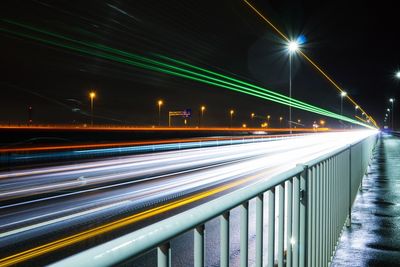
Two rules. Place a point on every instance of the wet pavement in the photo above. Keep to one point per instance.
(374, 236)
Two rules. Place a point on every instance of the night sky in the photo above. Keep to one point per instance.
(356, 43)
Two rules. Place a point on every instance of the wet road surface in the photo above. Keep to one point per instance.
(374, 236)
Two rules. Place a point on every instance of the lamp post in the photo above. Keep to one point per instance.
(159, 103)
(342, 95)
(268, 117)
(252, 115)
(293, 46)
(392, 101)
(231, 112)
(92, 95)
(355, 111)
(280, 122)
(202, 109)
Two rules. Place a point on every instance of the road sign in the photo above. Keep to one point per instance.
(187, 113)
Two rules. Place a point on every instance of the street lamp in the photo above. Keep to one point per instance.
(268, 117)
(92, 95)
(322, 122)
(392, 101)
(355, 110)
(202, 109)
(398, 74)
(342, 95)
(231, 112)
(293, 47)
(280, 122)
(159, 103)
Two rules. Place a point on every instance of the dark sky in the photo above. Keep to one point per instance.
(354, 41)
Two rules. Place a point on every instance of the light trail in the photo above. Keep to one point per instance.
(275, 157)
(155, 65)
(308, 59)
(155, 142)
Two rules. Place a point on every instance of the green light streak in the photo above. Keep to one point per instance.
(154, 65)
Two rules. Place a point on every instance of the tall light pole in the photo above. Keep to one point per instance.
(202, 109)
(280, 122)
(342, 95)
(355, 110)
(231, 112)
(92, 95)
(293, 46)
(159, 103)
(392, 101)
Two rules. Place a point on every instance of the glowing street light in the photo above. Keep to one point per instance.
(342, 95)
(398, 74)
(322, 122)
(231, 112)
(159, 103)
(391, 100)
(293, 47)
(202, 109)
(268, 117)
(355, 110)
(92, 95)
(280, 121)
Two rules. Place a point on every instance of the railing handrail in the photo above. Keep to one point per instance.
(139, 241)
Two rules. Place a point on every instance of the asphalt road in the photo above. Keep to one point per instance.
(49, 213)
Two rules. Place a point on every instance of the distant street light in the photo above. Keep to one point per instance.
(252, 115)
(342, 95)
(280, 122)
(293, 47)
(392, 101)
(398, 74)
(92, 95)
(322, 122)
(355, 110)
(231, 112)
(159, 103)
(202, 109)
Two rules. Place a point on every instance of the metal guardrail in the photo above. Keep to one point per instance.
(314, 198)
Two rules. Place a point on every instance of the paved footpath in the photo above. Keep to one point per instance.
(374, 236)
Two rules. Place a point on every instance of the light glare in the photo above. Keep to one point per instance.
(293, 46)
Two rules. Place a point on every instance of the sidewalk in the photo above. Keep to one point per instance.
(374, 236)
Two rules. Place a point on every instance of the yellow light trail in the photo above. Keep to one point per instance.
(340, 89)
(76, 238)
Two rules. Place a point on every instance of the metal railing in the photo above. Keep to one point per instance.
(315, 199)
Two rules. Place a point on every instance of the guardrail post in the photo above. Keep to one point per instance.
(348, 224)
(199, 246)
(259, 229)
(244, 233)
(302, 236)
(281, 221)
(295, 221)
(164, 255)
(271, 227)
(224, 257)
(289, 202)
